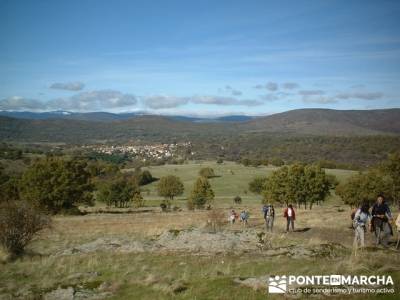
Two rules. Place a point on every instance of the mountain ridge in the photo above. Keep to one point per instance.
(156, 127)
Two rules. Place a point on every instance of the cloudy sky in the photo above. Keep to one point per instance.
(199, 57)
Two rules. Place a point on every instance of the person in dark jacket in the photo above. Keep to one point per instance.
(290, 216)
(381, 216)
(269, 216)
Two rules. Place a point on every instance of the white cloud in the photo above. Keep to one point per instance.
(161, 102)
(360, 95)
(93, 101)
(20, 104)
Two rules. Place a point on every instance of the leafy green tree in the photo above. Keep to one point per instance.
(119, 192)
(55, 184)
(391, 167)
(169, 187)
(202, 193)
(364, 187)
(256, 186)
(207, 172)
(298, 183)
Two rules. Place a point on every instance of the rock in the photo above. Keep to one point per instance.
(60, 294)
(256, 283)
(199, 241)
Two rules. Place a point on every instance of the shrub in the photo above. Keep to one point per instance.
(237, 200)
(19, 223)
(277, 162)
(138, 200)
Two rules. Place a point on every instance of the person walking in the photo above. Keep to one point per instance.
(290, 216)
(361, 220)
(381, 216)
(269, 216)
(232, 217)
(244, 218)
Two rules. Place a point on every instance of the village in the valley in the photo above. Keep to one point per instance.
(154, 151)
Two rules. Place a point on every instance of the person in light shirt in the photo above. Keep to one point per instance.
(290, 216)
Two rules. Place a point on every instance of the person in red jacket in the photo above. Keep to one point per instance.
(290, 216)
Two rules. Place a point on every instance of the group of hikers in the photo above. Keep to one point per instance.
(379, 221)
(269, 217)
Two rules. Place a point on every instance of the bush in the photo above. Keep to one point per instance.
(207, 172)
(138, 200)
(19, 223)
(237, 200)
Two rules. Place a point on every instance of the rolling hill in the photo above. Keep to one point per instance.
(320, 122)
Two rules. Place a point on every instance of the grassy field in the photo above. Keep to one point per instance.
(231, 180)
(111, 268)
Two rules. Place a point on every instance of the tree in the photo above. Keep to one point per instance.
(298, 183)
(364, 187)
(201, 194)
(169, 187)
(391, 167)
(207, 172)
(145, 177)
(118, 192)
(256, 186)
(55, 184)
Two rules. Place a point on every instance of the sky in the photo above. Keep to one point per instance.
(200, 58)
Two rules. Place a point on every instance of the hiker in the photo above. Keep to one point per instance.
(398, 231)
(290, 216)
(244, 217)
(362, 218)
(381, 216)
(269, 215)
(232, 217)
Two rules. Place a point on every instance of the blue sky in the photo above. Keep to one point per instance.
(199, 57)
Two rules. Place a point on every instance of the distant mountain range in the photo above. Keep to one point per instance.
(107, 117)
(100, 126)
